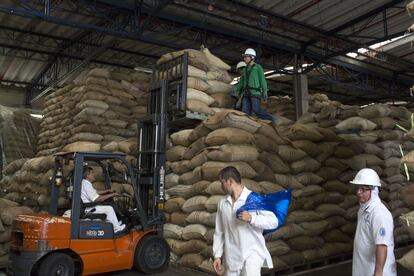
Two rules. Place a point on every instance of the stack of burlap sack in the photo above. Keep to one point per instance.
(281, 106)
(8, 210)
(103, 109)
(320, 222)
(18, 134)
(208, 84)
(373, 140)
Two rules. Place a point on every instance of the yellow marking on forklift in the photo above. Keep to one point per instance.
(160, 205)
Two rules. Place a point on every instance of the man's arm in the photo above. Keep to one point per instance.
(260, 219)
(104, 192)
(218, 242)
(380, 257)
(102, 198)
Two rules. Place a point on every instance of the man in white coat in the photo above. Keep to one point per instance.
(89, 194)
(238, 241)
(374, 238)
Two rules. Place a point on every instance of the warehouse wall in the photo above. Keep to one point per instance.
(15, 97)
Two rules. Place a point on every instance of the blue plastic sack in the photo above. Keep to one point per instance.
(278, 203)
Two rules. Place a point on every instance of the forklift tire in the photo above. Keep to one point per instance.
(152, 255)
(57, 264)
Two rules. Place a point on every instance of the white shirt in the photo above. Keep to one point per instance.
(88, 192)
(375, 226)
(237, 240)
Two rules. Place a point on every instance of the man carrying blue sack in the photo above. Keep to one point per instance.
(242, 217)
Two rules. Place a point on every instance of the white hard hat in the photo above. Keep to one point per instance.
(367, 177)
(240, 65)
(250, 52)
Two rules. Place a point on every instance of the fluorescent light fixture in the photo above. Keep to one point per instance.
(143, 69)
(40, 116)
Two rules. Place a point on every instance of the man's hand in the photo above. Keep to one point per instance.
(217, 266)
(245, 216)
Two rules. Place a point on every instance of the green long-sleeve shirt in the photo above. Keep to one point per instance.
(256, 80)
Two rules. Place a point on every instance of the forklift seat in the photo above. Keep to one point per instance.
(90, 214)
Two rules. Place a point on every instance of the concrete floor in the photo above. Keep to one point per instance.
(338, 269)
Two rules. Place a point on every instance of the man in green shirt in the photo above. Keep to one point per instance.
(252, 86)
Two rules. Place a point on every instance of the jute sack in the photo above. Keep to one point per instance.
(273, 133)
(328, 173)
(171, 180)
(5, 203)
(178, 218)
(287, 231)
(305, 242)
(303, 216)
(219, 75)
(175, 153)
(222, 100)
(307, 164)
(198, 132)
(184, 191)
(307, 191)
(407, 261)
(202, 217)
(287, 181)
(274, 162)
(199, 160)
(211, 169)
(194, 148)
(309, 147)
(197, 95)
(343, 152)
(180, 247)
(199, 106)
(211, 204)
(174, 204)
(356, 123)
(215, 62)
(191, 260)
(8, 214)
(309, 178)
(180, 167)
(269, 187)
(196, 73)
(207, 266)
(333, 197)
(86, 136)
(172, 231)
(229, 135)
(264, 172)
(94, 104)
(232, 118)
(196, 203)
(337, 186)
(408, 160)
(314, 228)
(384, 122)
(218, 87)
(265, 143)
(82, 146)
(289, 154)
(14, 166)
(328, 210)
(303, 132)
(180, 138)
(194, 231)
(336, 235)
(374, 111)
(197, 84)
(192, 177)
(407, 195)
(196, 58)
(229, 153)
(277, 248)
(215, 188)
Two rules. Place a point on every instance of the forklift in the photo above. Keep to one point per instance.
(84, 243)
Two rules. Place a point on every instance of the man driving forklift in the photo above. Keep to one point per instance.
(90, 195)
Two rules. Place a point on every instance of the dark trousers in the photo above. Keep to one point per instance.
(250, 104)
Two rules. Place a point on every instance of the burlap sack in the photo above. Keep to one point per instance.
(277, 248)
(211, 169)
(229, 135)
(307, 164)
(303, 132)
(202, 217)
(196, 203)
(82, 146)
(175, 153)
(180, 247)
(356, 123)
(196, 95)
(234, 119)
(172, 231)
(191, 260)
(229, 153)
(180, 138)
(215, 188)
(305, 242)
(194, 148)
(290, 154)
(174, 204)
(287, 181)
(374, 111)
(266, 144)
(274, 162)
(211, 204)
(309, 178)
(309, 147)
(264, 172)
(194, 232)
(8, 214)
(199, 106)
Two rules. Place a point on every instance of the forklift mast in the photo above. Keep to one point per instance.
(166, 103)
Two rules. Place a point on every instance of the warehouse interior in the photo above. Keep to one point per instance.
(325, 63)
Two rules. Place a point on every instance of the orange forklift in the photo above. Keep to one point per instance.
(85, 243)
